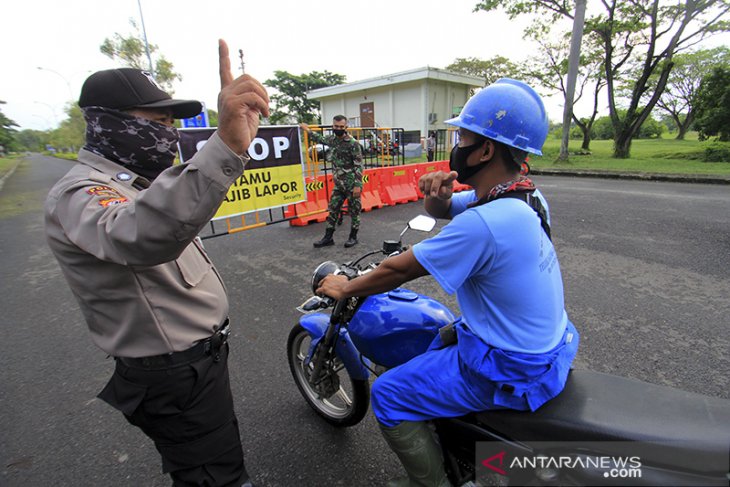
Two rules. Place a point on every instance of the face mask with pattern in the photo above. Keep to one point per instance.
(141, 145)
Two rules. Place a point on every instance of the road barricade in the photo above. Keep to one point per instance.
(370, 197)
(397, 185)
(315, 208)
(458, 187)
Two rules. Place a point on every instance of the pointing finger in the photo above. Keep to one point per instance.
(224, 61)
(451, 177)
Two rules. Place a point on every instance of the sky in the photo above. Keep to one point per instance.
(359, 40)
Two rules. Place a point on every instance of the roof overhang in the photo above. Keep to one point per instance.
(397, 78)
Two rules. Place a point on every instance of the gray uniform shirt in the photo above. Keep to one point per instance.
(144, 284)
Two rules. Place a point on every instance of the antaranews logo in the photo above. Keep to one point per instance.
(552, 466)
(490, 462)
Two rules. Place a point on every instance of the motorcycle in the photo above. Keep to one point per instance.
(601, 430)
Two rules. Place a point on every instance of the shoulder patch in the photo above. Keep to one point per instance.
(108, 196)
(112, 201)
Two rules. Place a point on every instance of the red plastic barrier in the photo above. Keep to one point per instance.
(396, 186)
(315, 208)
(370, 197)
(458, 187)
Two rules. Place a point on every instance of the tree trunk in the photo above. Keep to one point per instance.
(683, 127)
(586, 139)
(622, 146)
(681, 132)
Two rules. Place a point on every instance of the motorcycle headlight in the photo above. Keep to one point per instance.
(324, 269)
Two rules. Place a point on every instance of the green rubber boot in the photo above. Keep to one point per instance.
(419, 453)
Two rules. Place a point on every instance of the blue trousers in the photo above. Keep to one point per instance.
(469, 377)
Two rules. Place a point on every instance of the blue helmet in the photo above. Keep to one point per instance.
(508, 111)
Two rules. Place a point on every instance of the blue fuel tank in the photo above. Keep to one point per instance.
(393, 327)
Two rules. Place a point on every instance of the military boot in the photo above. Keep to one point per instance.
(326, 240)
(353, 238)
(419, 453)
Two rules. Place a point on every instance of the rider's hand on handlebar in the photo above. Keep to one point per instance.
(333, 286)
(438, 184)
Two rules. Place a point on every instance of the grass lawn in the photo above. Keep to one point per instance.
(6, 164)
(660, 156)
(666, 156)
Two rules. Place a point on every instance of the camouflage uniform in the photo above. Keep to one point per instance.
(346, 157)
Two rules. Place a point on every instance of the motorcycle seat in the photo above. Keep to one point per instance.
(687, 429)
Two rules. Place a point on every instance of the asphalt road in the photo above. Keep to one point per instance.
(645, 266)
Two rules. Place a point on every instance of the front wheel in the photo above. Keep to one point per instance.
(340, 400)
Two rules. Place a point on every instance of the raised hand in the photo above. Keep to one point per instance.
(240, 102)
(438, 184)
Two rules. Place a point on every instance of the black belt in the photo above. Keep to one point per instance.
(209, 346)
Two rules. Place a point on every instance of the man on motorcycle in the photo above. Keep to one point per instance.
(514, 343)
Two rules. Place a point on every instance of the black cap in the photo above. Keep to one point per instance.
(126, 88)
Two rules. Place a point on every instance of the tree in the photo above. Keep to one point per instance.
(603, 129)
(70, 134)
(212, 117)
(130, 51)
(639, 39)
(550, 69)
(651, 129)
(679, 97)
(7, 131)
(491, 69)
(713, 105)
(30, 140)
(290, 102)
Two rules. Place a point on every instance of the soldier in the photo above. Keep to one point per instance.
(346, 159)
(123, 225)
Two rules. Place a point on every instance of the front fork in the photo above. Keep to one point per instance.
(326, 336)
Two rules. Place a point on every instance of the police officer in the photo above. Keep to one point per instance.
(346, 159)
(123, 225)
(514, 343)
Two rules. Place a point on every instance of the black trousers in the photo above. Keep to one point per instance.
(187, 410)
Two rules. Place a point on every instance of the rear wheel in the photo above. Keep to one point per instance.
(338, 398)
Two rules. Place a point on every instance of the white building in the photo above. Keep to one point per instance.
(417, 101)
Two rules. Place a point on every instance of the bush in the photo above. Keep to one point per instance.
(717, 153)
(651, 129)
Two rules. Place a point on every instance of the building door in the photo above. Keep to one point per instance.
(367, 114)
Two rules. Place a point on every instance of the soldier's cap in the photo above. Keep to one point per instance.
(127, 88)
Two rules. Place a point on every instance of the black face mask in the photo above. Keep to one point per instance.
(339, 132)
(457, 162)
(143, 146)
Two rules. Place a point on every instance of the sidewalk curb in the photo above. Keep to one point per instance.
(675, 178)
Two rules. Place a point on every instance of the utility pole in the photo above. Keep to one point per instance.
(144, 35)
(243, 65)
(573, 63)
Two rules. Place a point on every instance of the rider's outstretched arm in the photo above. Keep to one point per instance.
(390, 274)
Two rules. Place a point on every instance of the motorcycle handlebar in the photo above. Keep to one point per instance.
(351, 269)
